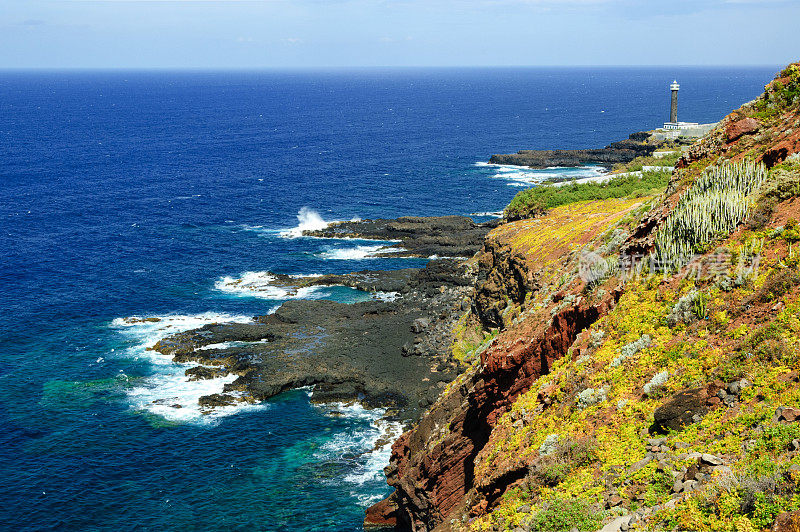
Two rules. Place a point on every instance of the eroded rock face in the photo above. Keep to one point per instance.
(502, 275)
(778, 153)
(432, 466)
(382, 516)
(787, 522)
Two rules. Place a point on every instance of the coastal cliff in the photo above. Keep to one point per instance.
(639, 356)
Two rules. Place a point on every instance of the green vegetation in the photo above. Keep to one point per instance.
(552, 469)
(638, 163)
(787, 93)
(791, 233)
(567, 514)
(780, 94)
(536, 201)
(719, 341)
(708, 210)
(783, 183)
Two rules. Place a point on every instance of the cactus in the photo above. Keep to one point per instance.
(717, 202)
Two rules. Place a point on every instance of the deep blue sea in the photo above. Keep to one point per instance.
(145, 194)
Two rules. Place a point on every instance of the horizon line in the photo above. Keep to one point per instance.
(362, 67)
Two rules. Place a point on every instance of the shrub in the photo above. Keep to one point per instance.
(657, 382)
(791, 232)
(628, 350)
(688, 309)
(778, 283)
(562, 458)
(566, 514)
(590, 396)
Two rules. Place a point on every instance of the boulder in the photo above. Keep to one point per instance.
(680, 410)
(420, 324)
(710, 459)
(790, 414)
(786, 414)
(613, 501)
(741, 127)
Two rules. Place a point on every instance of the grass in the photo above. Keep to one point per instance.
(536, 201)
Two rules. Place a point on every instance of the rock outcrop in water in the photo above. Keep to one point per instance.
(393, 352)
(418, 236)
(624, 151)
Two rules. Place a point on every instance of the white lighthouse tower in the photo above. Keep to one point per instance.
(673, 110)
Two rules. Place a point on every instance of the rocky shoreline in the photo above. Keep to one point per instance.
(391, 352)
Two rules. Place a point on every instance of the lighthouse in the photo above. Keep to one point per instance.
(673, 112)
(674, 129)
(673, 109)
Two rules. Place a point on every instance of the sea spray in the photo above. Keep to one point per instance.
(364, 451)
(522, 176)
(308, 220)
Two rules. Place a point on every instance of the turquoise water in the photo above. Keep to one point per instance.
(135, 194)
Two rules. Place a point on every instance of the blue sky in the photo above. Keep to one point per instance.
(335, 33)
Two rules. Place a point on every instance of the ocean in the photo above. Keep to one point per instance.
(131, 201)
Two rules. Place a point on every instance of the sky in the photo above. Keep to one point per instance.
(255, 34)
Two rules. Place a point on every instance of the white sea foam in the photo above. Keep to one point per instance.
(308, 220)
(262, 285)
(168, 392)
(357, 253)
(360, 448)
(495, 214)
(227, 345)
(522, 176)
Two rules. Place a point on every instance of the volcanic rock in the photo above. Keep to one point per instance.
(745, 126)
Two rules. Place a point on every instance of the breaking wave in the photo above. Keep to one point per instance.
(168, 392)
(262, 285)
(364, 451)
(522, 176)
(308, 220)
(375, 251)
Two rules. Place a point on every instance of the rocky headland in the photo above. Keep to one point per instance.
(637, 145)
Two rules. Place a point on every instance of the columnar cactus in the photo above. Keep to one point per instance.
(718, 202)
